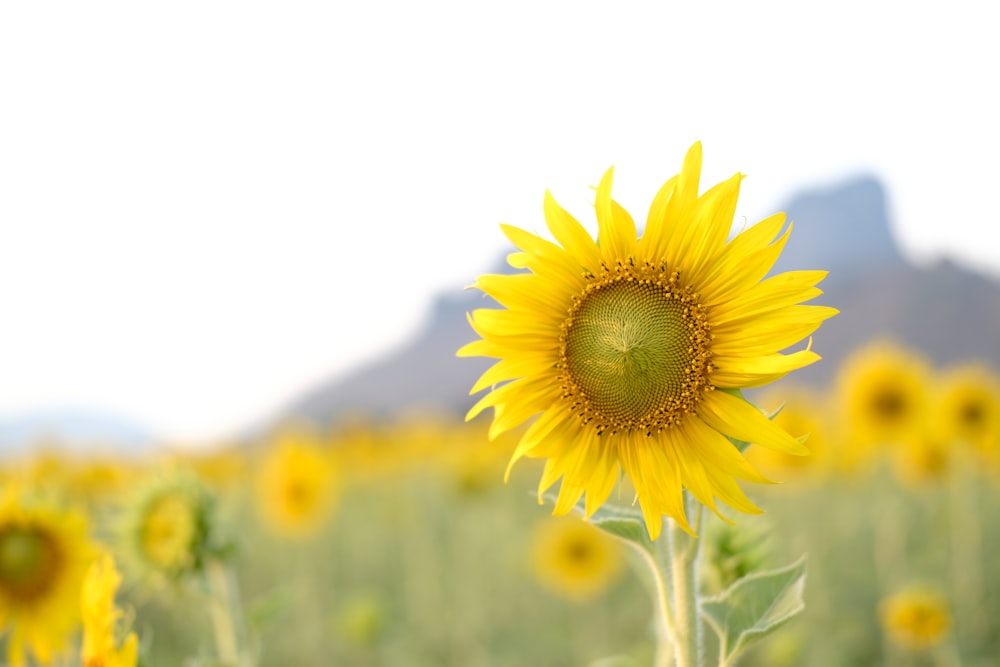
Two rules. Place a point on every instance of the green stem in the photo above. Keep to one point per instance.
(226, 613)
(966, 558)
(661, 599)
(683, 564)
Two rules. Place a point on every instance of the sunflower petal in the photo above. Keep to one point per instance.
(739, 419)
(571, 234)
(616, 230)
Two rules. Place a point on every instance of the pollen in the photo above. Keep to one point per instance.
(635, 349)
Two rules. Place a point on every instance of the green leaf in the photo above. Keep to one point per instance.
(754, 607)
(625, 523)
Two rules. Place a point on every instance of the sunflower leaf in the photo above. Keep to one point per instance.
(626, 529)
(625, 523)
(755, 606)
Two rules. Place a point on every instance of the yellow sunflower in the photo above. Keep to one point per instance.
(916, 618)
(168, 529)
(101, 647)
(44, 555)
(296, 483)
(883, 389)
(575, 559)
(968, 408)
(632, 351)
(923, 460)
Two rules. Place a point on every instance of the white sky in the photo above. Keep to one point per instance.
(209, 207)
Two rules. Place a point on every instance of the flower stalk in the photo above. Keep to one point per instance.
(663, 620)
(684, 549)
(226, 612)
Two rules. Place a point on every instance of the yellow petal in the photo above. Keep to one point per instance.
(716, 450)
(653, 244)
(746, 372)
(704, 237)
(571, 234)
(616, 231)
(736, 418)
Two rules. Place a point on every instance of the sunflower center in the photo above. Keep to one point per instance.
(635, 351)
(579, 551)
(973, 415)
(29, 559)
(890, 404)
(300, 497)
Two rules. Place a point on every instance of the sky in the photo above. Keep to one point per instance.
(208, 208)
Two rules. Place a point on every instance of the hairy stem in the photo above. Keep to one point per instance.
(683, 564)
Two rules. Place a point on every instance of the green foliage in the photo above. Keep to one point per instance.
(754, 607)
(625, 523)
(732, 551)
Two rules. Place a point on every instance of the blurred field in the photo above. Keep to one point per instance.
(369, 544)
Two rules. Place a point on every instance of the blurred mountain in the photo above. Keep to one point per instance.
(72, 430)
(425, 374)
(949, 312)
(842, 229)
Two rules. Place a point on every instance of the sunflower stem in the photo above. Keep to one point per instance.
(684, 549)
(226, 614)
(661, 597)
(966, 558)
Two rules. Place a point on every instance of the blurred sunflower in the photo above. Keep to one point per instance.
(575, 559)
(168, 529)
(632, 351)
(915, 618)
(44, 555)
(922, 460)
(968, 408)
(883, 389)
(99, 481)
(101, 646)
(224, 468)
(295, 483)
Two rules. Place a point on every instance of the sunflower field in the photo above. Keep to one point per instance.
(361, 543)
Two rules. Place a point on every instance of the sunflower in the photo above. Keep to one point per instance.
(632, 351)
(168, 529)
(923, 460)
(916, 618)
(101, 647)
(575, 559)
(295, 483)
(968, 408)
(44, 554)
(883, 389)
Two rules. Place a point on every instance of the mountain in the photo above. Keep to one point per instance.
(841, 229)
(424, 374)
(948, 312)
